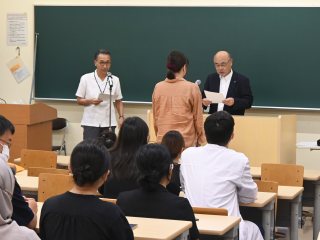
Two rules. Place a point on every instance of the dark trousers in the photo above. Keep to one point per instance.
(94, 132)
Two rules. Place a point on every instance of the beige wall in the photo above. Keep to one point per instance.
(308, 125)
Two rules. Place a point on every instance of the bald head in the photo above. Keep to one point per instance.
(223, 63)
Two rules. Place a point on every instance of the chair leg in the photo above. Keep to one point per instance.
(64, 148)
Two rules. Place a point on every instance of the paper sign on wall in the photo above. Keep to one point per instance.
(17, 32)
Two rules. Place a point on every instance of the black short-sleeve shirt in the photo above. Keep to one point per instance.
(77, 216)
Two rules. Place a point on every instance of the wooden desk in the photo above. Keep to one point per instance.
(310, 175)
(293, 195)
(255, 172)
(265, 201)
(312, 179)
(150, 228)
(289, 192)
(153, 228)
(27, 183)
(62, 161)
(22, 173)
(225, 226)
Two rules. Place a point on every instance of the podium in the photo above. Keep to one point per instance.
(33, 125)
(265, 139)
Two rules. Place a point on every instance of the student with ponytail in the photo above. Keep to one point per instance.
(152, 200)
(177, 103)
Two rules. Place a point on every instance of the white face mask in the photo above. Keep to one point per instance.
(5, 153)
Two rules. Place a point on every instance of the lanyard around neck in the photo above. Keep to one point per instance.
(105, 86)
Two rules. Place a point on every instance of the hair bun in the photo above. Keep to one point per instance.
(84, 174)
(150, 180)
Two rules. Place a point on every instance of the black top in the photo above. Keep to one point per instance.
(77, 216)
(174, 186)
(239, 89)
(158, 204)
(114, 186)
(22, 213)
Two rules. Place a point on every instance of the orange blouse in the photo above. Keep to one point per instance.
(177, 105)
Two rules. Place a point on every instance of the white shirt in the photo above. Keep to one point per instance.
(98, 115)
(224, 86)
(215, 176)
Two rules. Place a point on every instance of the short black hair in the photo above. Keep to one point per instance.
(153, 162)
(174, 141)
(89, 161)
(6, 125)
(101, 51)
(219, 127)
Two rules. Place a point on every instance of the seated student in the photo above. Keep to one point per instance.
(79, 213)
(24, 209)
(174, 141)
(215, 176)
(9, 229)
(133, 134)
(152, 200)
(108, 139)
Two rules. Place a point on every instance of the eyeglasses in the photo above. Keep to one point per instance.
(104, 63)
(6, 142)
(223, 64)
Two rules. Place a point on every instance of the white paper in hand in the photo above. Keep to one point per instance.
(105, 97)
(214, 97)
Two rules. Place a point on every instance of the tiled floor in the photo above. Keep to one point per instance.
(306, 232)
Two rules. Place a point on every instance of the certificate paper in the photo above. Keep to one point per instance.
(214, 97)
(105, 97)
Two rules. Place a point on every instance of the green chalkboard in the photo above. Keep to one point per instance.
(277, 48)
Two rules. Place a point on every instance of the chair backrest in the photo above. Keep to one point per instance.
(267, 186)
(152, 133)
(53, 184)
(38, 158)
(35, 171)
(283, 174)
(111, 200)
(210, 211)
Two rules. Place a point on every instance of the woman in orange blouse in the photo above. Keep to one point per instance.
(177, 103)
